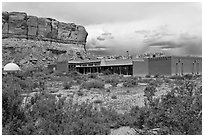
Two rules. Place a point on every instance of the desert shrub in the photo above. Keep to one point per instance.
(188, 76)
(176, 77)
(156, 82)
(149, 93)
(145, 80)
(112, 80)
(58, 73)
(130, 82)
(128, 91)
(148, 76)
(107, 72)
(167, 80)
(92, 75)
(49, 117)
(158, 76)
(114, 97)
(67, 84)
(177, 112)
(92, 84)
(108, 90)
(80, 93)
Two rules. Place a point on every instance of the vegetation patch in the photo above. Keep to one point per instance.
(93, 84)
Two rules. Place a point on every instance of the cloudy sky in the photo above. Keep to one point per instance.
(114, 28)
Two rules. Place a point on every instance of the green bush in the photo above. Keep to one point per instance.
(93, 84)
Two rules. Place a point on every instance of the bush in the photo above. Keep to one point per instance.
(148, 76)
(113, 81)
(67, 84)
(80, 93)
(108, 90)
(149, 92)
(93, 84)
(177, 112)
(92, 75)
(156, 82)
(130, 82)
(188, 76)
(176, 77)
(107, 72)
(158, 76)
(114, 97)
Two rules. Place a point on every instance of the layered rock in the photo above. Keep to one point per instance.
(32, 42)
(34, 53)
(20, 25)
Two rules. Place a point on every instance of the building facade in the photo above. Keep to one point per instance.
(166, 65)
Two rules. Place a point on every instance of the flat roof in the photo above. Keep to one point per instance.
(116, 62)
(83, 61)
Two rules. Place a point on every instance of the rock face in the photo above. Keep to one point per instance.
(20, 25)
(30, 41)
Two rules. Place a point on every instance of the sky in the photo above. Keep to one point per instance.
(116, 27)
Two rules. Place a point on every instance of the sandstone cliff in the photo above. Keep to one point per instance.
(20, 25)
(31, 41)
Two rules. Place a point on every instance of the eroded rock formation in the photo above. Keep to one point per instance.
(31, 41)
(20, 25)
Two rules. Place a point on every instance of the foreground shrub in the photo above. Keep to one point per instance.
(177, 112)
(67, 84)
(114, 97)
(156, 83)
(92, 75)
(130, 82)
(188, 76)
(93, 84)
(107, 72)
(149, 93)
(176, 77)
(113, 81)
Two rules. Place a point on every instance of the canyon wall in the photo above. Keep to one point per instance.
(20, 25)
(31, 41)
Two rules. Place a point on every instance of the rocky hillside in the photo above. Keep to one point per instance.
(33, 41)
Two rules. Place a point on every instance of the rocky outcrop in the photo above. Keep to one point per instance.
(31, 42)
(20, 25)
